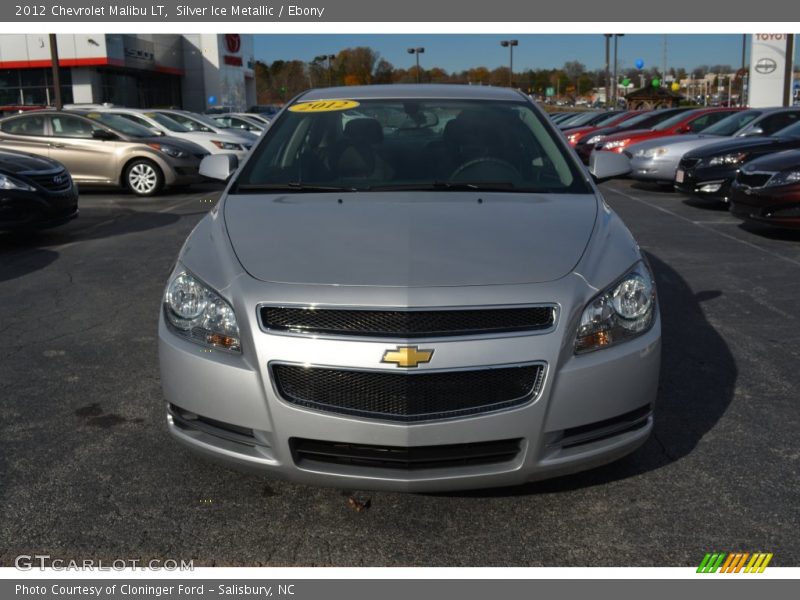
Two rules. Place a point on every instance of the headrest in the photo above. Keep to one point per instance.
(364, 131)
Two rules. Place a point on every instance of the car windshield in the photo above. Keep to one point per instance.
(792, 131)
(608, 118)
(646, 114)
(672, 121)
(383, 145)
(733, 123)
(120, 124)
(166, 122)
(207, 121)
(582, 119)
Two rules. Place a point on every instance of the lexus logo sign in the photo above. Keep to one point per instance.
(234, 42)
(765, 66)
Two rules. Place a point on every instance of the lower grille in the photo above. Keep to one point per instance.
(52, 181)
(189, 420)
(406, 323)
(600, 430)
(753, 180)
(407, 396)
(405, 458)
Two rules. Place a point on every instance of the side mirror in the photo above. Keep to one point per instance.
(157, 132)
(755, 131)
(606, 165)
(685, 129)
(219, 166)
(104, 134)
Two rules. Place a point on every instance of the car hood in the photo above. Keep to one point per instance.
(417, 239)
(780, 161)
(222, 137)
(19, 162)
(738, 144)
(677, 143)
(181, 144)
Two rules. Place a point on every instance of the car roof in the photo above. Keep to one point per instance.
(412, 92)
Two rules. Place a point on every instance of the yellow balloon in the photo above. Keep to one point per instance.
(676, 86)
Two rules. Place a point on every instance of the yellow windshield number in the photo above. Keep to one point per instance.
(323, 106)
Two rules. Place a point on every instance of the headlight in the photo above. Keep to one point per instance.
(595, 139)
(616, 144)
(199, 314)
(169, 150)
(728, 159)
(623, 311)
(226, 145)
(9, 183)
(784, 178)
(651, 152)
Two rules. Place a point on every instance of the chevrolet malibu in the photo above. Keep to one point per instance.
(410, 288)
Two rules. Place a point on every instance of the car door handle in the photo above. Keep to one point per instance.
(57, 145)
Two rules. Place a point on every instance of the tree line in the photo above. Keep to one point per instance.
(281, 80)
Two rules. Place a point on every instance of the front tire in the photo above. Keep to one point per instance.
(143, 177)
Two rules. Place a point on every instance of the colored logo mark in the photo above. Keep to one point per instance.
(734, 562)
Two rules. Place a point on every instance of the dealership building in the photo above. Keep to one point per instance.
(194, 71)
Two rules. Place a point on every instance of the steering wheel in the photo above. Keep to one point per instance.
(498, 170)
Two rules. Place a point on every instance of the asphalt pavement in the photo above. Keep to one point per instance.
(87, 469)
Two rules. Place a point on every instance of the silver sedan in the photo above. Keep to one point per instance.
(656, 161)
(411, 288)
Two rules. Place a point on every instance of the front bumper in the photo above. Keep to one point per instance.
(28, 211)
(777, 206)
(591, 410)
(658, 170)
(705, 183)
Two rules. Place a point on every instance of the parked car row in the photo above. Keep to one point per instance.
(746, 158)
(46, 153)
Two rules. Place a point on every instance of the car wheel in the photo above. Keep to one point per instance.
(143, 178)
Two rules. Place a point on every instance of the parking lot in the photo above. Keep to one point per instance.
(87, 468)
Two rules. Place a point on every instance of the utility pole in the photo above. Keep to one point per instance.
(787, 77)
(56, 73)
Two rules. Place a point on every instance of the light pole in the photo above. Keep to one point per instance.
(56, 72)
(510, 45)
(616, 37)
(329, 58)
(608, 71)
(417, 52)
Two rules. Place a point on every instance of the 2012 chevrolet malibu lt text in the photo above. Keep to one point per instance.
(410, 288)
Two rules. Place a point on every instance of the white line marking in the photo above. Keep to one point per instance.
(702, 225)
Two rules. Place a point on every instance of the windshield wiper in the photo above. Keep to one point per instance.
(466, 186)
(292, 186)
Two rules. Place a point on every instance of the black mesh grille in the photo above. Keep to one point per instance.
(406, 324)
(407, 396)
(688, 163)
(51, 181)
(405, 458)
(753, 179)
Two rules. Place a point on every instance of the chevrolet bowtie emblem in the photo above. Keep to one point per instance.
(407, 356)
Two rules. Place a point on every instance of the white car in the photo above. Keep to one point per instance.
(214, 142)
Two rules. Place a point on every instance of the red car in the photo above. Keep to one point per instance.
(576, 134)
(767, 190)
(691, 121)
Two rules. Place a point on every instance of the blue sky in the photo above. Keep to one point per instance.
(455, 52)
